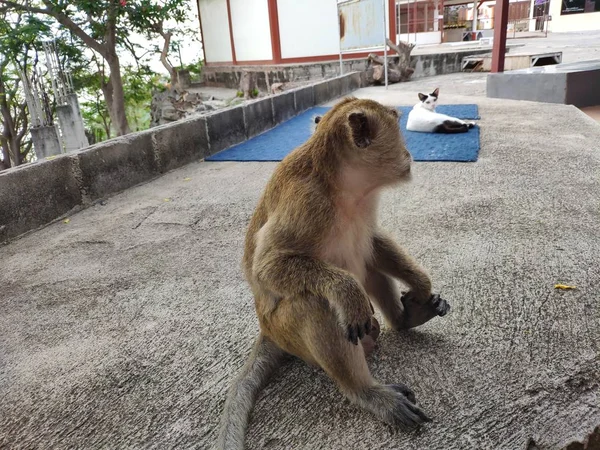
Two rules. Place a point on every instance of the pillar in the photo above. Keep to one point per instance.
(500, 23)
(45, 141)
(71, 124)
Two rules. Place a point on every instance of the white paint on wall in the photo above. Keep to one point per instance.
(572, 22)
(430, 37)
(308, 28)
(215, 26)
(251, 30)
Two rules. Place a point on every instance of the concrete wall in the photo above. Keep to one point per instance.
(425, 66)
(215, 28)
(308, 28)
(589, 21)
(251, 30)
(35, 194)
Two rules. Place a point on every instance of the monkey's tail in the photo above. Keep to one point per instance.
(265, 358)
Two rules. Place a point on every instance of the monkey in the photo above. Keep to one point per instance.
(316, 262)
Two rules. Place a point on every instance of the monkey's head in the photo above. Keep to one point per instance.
(368, 137)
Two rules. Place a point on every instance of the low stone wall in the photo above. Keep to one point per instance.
(425, 66)
(36, 194)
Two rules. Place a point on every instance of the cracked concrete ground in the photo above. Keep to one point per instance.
(123, 328)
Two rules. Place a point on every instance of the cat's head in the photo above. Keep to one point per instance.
(429, 101)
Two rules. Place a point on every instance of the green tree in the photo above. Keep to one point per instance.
(21, 50)
(18, 52)
(103, 26)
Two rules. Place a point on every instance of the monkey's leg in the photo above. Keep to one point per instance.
(305, 327)
(346, 365)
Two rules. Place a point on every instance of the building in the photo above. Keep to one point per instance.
(268, 32)
(573, 15)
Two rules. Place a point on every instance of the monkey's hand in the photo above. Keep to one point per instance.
(417, 312)
(356, 317)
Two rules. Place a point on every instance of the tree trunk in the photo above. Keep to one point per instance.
(5, 163)
(403, 49)
(165, 62)
(9, 132)
(115, 97)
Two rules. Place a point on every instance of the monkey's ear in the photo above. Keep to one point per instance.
(361, 132)
(436, 93)
(318, 119)
(422, 97)
(394, 112)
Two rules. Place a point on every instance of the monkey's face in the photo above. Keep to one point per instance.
(379, 145)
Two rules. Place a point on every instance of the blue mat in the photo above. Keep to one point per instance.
(275, 144)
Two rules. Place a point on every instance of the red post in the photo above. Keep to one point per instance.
(500, 24)
(275, 38)
(231, 40)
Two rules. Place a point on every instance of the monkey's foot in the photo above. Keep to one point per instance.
(405, 390)
(417, 313)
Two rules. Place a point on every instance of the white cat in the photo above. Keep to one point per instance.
(423, 117)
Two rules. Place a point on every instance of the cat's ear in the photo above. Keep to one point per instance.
(436, 93)
(422, 97)
(361, 131)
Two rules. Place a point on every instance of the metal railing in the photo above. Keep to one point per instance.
(528, 26)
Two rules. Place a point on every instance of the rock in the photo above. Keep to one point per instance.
(170, 113)
(276, 88)
(214, 104)
(191, 97)
(248, 83)
(206, 97)
(201, 107)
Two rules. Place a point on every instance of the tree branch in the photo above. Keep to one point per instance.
(75, 29)
(63, 19)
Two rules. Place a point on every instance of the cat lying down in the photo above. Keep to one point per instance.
(423, 117)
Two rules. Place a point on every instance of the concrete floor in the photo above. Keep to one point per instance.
(124, 327)
(575, 46)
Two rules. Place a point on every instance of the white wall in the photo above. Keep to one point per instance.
(251, 29)
(430, 37)
(308, 28)
(215, 27)
(572, 22)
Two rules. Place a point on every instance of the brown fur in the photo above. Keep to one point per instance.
(315, 258)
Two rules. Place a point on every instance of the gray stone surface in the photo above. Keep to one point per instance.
(326, 90)
(117, 164)
(34, 195)
(225, 128)
(258, 116)
(549, 88)
(571, 83)
(180, 143)
(304, 98)
(125, 327)
(283, 106)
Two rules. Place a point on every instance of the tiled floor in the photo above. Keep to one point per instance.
(593, 112)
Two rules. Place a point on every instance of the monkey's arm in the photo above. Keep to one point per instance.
(391, 259)
(289, 274)
(419, 304)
